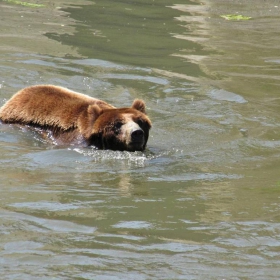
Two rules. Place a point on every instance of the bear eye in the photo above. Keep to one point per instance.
(140, 122)
(118, 125)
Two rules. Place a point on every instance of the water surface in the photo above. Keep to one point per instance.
(202, 202)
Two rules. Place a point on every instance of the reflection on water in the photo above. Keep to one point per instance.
(202, 202)
(134, 34)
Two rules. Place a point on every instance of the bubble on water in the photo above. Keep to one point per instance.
(244, 132)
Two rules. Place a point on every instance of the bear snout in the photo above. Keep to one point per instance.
(137, 140)
(137, 135)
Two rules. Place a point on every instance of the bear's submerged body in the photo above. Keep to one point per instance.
(75, 118)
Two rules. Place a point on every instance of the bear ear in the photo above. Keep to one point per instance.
(94, 111)
(139, 105)
(87, 119)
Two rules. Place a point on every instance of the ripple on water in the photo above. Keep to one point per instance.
(136, 158)
(224, 95)
(133, 225)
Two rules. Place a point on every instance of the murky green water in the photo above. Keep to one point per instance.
(203, 201)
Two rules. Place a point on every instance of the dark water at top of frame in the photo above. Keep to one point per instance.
(202, 202)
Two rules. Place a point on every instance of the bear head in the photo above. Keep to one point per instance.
(123, 129)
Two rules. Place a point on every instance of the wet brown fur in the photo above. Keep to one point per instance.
(73, 117)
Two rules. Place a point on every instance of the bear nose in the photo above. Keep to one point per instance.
(137, 135)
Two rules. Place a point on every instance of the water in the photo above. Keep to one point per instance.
(202, 202)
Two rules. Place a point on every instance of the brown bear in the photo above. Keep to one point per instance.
(74, 118)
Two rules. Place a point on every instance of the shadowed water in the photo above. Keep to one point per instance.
(202, 202)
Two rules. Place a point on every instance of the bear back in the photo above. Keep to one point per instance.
(48, 106)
